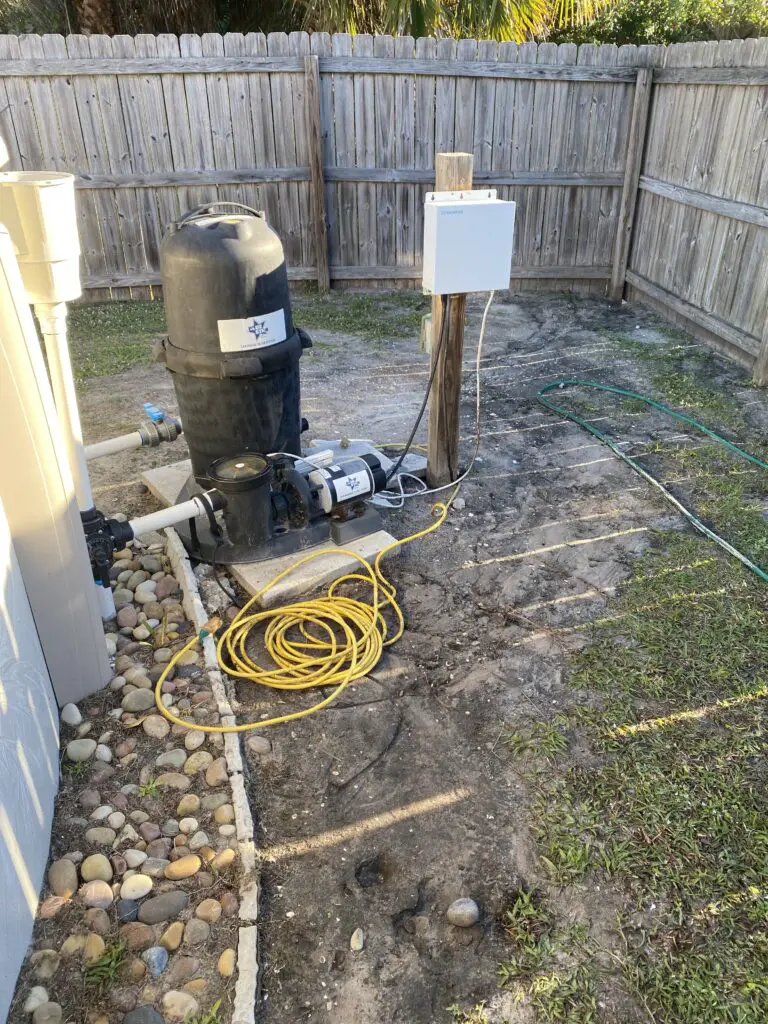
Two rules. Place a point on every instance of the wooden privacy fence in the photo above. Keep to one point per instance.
(629, 164)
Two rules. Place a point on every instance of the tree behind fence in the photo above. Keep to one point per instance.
(154, 125)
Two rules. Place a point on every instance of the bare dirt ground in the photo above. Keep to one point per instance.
(404, 788)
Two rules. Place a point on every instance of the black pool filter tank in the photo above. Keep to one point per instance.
(231, 347)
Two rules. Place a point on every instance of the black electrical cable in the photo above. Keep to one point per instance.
(440, 343)
(229, 594)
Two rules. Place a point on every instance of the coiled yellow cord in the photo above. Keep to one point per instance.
(320, 658)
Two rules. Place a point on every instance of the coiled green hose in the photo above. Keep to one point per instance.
(624, 393)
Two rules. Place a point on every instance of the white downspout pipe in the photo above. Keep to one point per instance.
(52, 317)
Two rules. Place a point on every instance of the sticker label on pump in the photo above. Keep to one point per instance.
(252, 332)
(352, 485)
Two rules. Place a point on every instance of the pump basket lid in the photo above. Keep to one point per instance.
(235, 473)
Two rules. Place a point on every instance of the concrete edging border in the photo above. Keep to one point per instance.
(243, 1011)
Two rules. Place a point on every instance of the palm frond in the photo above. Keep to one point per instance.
(578, 12)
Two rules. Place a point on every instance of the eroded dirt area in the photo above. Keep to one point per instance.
(380, 811)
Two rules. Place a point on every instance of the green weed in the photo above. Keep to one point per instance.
(527, 925)
(475, 1015)
(211, 1016)
(103, 971)
(148, 788)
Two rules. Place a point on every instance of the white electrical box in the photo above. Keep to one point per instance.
(468, 240)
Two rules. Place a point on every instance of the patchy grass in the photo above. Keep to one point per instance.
(566, 995)
(680, 375)
(682, 390)
(528, 925)
(538, 738)
(111, 337)
(676, 348)
(551, 968)
(672, 810)
(371, 315)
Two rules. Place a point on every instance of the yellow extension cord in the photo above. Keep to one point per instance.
(319, 659)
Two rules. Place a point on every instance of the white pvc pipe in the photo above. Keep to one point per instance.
(113, 445)
(53, 324)
(168, 516)
(106, 601)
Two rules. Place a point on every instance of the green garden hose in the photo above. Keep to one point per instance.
(692, 519)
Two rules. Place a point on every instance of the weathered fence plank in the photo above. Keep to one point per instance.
(259, 113)
(371, 274)
(338, 111)
(702, 201)
(101, 245)
(424, 138)
(114, 157)
(282, 85)
(405, 154)
(243, 143)
(365, 145)
(189, 65)
(298, 42)
(637, 134)
(384, 93)
(319, 227)
(155, 125)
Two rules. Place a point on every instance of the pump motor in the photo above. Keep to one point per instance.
(279, 505)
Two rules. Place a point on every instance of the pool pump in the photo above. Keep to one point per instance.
(233, 352)
(280, 505)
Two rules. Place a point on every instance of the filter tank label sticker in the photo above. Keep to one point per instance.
(253, 332)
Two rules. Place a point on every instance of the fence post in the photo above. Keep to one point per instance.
(453, 172)
(319, 225)
(760, 372)
(635, 147)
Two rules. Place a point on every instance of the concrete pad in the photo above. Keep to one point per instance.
(321, 571)
(165, 482)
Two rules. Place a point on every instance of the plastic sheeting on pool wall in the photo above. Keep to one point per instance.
(29, 767)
